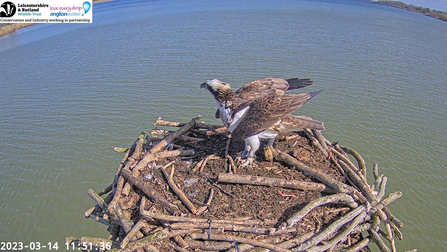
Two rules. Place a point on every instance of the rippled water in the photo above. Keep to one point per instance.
(69, 93)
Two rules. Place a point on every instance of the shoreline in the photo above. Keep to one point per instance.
(8, 28)
(440, 15)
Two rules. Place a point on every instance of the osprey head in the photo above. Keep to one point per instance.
(215, 86)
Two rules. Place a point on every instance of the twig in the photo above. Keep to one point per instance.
(177, 190)
(232, 165)
(202, 163)
(208, 203)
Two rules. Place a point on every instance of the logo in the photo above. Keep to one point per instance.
(7, 9)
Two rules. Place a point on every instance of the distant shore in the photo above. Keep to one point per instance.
(7, 28)
(441, 15)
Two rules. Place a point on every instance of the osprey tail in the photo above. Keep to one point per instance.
(295, 83)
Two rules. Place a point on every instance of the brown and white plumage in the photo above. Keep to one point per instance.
(260, 109)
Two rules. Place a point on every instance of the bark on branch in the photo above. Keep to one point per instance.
(273, 182)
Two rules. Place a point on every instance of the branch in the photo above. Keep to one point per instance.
(167, 140)
(177, 190)
(358, 157)
(232, 238)
(336, 185)
(332, 228)
(341, 197)
(273, 182)
(149, 191)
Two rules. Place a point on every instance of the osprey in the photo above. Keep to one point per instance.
(260, 109)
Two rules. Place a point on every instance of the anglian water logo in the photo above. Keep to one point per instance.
(86, 5)
(7, 9)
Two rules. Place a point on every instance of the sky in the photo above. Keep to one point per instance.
(432, 4)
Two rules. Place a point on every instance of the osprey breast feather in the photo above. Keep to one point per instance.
(260, 109)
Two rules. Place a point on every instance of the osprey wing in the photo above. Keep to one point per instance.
(270, 86)
(264, 112)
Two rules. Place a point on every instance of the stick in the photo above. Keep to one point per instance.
(273, 182)
(149, 191)
(231, 227)
(106, 190)
(315, 141)
(358, 157)
(170, 218)
(99, 219)
(148, 157)
(97, 199)
(378, 241)
(167, 140)
(231, 238)
(177, 190)
(125, 222)
(347, 161)
(130, 235)
(117, 195)
(158, 236)
(332, 228)
(336, 198)
(341, 236)
(358, 181)
(208, 245)
(321, 139)
(161, 122)
(208, 203)
(359, 245)
(388, 200)
(336, 185)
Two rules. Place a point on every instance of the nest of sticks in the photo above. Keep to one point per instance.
(182, 191)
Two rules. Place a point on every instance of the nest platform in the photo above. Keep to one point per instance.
(182, 190)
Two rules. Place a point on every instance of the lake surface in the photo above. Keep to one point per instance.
(69, 93)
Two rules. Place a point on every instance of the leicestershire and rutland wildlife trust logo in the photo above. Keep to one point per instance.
(7, 9)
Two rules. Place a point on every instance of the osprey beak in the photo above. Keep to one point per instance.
(204, 85)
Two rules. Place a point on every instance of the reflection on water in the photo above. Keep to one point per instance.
(69, 93)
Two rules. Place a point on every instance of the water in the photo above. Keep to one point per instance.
(69, 93)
